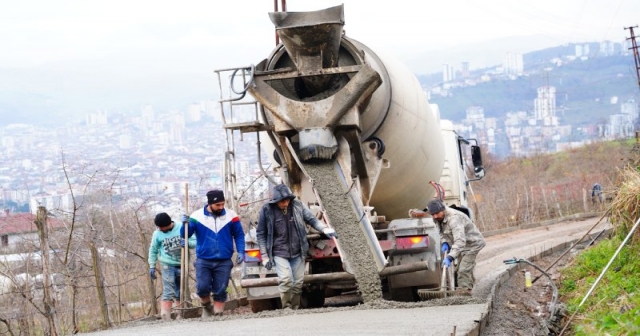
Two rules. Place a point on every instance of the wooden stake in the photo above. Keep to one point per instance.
(184, 268)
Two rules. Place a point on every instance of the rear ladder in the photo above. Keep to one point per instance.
(231, 100)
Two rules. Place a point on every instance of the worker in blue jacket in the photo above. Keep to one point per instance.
(216, 229)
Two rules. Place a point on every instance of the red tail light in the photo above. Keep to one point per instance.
(253, 253)
(403, 243)
(252, 256)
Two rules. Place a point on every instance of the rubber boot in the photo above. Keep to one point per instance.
(207, 309)
(218, 308)
(285, 298)
(165, 309)
(177, 315)
(295, 301)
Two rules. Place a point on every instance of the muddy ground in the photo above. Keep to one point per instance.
(518, 310)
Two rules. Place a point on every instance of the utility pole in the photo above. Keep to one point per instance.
(634, 47)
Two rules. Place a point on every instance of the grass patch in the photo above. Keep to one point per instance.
(614, 306)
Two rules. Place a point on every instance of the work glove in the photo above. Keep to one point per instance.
(239, 258)
(447, 261)
(152, 273)
(329, 232)
(445, 247)
(185, 218)
(267, 263)
(182, 243)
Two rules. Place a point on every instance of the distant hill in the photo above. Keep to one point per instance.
(536, 58)
(480, 55)
(584, 89)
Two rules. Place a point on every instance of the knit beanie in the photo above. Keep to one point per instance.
(435, 206)
(215, 196)
(162, 220)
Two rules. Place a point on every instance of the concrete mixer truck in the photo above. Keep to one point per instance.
(326, 100)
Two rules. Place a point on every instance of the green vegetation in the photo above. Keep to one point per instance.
(614, 306)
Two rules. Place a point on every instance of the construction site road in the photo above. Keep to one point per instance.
(436, 320)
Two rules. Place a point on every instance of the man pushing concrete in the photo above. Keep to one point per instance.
(460, 237)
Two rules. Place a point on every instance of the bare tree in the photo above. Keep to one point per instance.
(49, 304)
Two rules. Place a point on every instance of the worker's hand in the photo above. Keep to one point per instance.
(447, 261)
(182, 243)
(445, 247)
(185, 218)
(267, 263)
(239, 258)
(416, 213)
(329, 232)
(152, 273)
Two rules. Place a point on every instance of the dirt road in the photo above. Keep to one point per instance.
(412, 320)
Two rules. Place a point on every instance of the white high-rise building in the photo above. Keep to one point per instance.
(98, 118)
(607, 48)
(448, 74)
(147, 114)
(146, 119)
(176, 127)
(630, 108)
(194, 113)
(475, 117)
(513, 64)
(544, 107)
(465, 70)
(8, 142)
(620, 126)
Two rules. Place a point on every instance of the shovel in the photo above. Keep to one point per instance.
(447, 285)
(186, 309)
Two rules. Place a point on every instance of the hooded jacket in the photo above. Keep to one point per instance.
(301, 215)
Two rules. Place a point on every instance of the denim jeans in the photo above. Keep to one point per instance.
(212, 276)
(170, 283)
(290, 274)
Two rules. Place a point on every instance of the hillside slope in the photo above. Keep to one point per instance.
(584, 91)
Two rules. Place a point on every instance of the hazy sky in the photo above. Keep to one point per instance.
(59, 53)
(37, 32)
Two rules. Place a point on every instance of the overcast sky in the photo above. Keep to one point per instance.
(65, 49)
(37, 32)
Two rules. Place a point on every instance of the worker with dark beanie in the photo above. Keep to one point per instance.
(216, 229)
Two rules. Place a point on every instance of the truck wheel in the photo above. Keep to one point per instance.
(260, 305)
(313, 299)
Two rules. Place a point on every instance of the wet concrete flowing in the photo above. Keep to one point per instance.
(347, 224)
